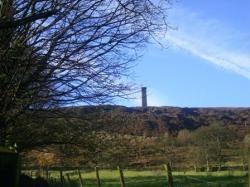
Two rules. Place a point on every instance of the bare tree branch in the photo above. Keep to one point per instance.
(61, 52)
(26, 20)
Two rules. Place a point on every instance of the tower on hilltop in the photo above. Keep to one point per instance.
(144, 97)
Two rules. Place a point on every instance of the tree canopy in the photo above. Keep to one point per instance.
(59, 52)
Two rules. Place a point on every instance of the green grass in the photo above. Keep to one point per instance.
(133, 178)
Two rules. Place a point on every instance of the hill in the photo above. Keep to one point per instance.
(154, 121)
(136, 137)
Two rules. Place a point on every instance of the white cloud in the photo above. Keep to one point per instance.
(211, 40)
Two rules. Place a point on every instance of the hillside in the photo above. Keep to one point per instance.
(135, 137)
(157, 120)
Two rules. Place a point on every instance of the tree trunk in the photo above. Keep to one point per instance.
(243, 165)
(220, 164)
(195, 168)
(219, 167)
(6, 13)
(207, 166)
(3, 133)
(207, 162)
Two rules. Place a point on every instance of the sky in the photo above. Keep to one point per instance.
(207, 61)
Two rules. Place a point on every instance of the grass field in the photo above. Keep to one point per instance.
(110, 178)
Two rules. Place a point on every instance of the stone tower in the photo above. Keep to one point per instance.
(144, 97)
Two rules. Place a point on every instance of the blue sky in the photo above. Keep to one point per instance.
(207, 62)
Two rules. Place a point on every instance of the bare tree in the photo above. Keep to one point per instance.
(211, 141)
(59, 52)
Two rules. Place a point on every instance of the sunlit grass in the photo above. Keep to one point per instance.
(214, 174)
(152, 178)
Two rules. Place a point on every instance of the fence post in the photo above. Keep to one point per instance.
(169, 175)
(61, 177)
(47, 173)
(248, 169)
(97, 176)
(121, 176)
(68, 178)
(31, 173)
(80, 177)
